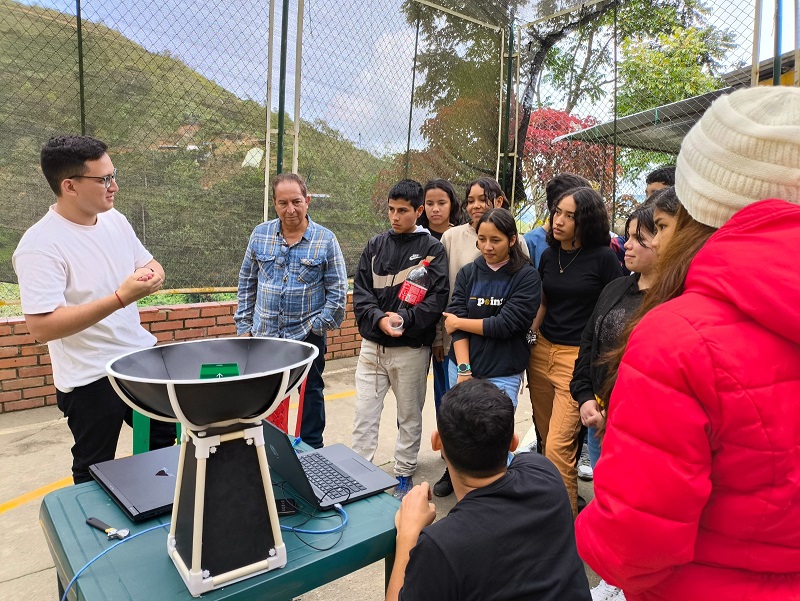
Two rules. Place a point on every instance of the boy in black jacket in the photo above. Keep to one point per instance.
(396, 356)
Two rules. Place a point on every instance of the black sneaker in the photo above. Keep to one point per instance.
(444, 486)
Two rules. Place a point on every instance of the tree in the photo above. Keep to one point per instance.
(544, 159)
(566, 60)
(462, 145)
(459, 68)
(673, 66)
(456, 56)
(572, 55)
(581, 66)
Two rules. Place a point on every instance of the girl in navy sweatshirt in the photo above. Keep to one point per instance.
(495, 299)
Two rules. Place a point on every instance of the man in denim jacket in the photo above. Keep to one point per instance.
(293, 284)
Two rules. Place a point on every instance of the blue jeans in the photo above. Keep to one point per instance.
(441, 380)
(508, 384)
(595, 446)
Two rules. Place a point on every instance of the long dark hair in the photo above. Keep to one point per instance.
(665, 200)
(560, 184)
(644, 222)
(457, 215)
(503, 220)
(672, 267)
(491, 190)
(591, 219)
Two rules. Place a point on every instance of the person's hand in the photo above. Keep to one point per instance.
(138, 285)
(591, 416)
(416, 511)
(450, 322)
(438, 353)
(144, 274)
(383, 324)
(463, 378)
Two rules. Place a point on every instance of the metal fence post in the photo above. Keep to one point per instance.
(80, 66)
(411, 101)
(282, 86)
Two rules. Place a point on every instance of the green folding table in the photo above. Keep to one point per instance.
(141, 570)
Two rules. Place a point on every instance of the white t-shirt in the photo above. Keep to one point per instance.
(60, 263)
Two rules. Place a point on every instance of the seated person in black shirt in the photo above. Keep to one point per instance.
(509, 537)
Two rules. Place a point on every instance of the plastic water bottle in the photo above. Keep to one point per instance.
(414, 289)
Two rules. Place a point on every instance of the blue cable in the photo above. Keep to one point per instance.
(336, 507)
(98, 556)
(341, 526)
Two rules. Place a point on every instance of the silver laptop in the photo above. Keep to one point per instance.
(324, 477)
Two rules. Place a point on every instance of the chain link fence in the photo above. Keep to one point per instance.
(178, 91)
(390, 89)
(130, 74)
(655, 65)
(381, 90)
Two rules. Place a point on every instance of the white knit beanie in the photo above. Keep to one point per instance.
(745, 148)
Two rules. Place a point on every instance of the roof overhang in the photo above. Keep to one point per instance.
(659, 129)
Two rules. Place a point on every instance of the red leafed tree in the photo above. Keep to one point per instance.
(462, 145)
(542, 158)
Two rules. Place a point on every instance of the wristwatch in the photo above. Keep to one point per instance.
(464, 368)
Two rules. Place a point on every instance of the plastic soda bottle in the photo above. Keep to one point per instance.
(415, 287)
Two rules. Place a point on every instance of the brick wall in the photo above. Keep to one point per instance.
(26, 378)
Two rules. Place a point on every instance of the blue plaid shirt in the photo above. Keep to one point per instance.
(288, 291)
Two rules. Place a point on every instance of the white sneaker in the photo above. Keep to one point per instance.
(585, 471)
(605, 592)
(528, 443)
(528, 448)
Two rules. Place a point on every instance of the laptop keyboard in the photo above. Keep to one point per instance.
(324, 475)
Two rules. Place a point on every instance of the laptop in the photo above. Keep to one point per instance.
(324, 477)
(143, 485)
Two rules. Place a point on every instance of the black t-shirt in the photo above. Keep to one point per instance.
(572, 289)
(509, 541)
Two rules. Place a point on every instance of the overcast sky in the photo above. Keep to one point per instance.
(357, 55)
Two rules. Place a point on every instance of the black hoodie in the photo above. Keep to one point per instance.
(507, 303)
(383, 267)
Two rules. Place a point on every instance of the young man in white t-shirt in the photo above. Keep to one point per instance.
(81, 270)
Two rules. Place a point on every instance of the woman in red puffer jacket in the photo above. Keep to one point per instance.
(708, 389)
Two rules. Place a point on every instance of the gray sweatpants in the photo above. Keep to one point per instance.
(405, 370)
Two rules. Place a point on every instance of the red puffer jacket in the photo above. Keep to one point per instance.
(697, 492)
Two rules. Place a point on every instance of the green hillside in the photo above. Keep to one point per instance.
(177, 138)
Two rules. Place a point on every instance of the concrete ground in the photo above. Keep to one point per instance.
(35, 459)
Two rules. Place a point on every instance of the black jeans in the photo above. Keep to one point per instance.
(94, 415)
(313, 422)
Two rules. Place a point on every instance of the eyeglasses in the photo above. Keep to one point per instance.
(106, 179)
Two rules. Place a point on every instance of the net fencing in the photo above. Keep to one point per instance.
(389, 89)
(655, 66)
(178, 91)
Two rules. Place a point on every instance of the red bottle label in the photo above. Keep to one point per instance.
(412, 293)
